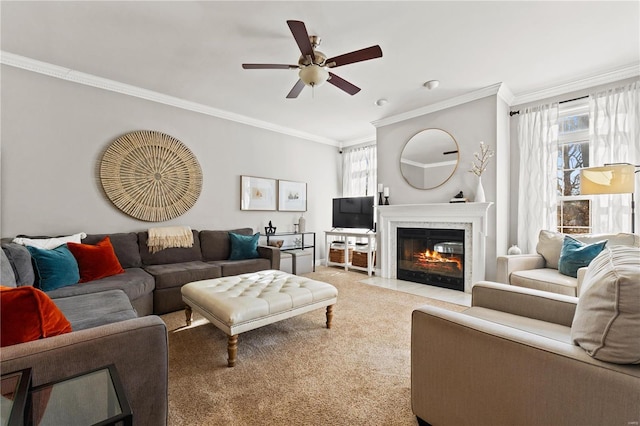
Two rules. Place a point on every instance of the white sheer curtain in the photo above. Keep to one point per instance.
(537, 196)
(359, 175)
(614, 138)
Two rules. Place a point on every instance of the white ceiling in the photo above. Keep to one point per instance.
(194, 51)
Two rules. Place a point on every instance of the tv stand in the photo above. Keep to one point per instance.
(343, 236)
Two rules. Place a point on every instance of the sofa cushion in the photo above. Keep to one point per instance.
(20, 260)
(135, 282)
(576, 254)
(169, 255)
(237, 267)
(95, 261)
(216, 245)
(178, 274)
(243, 246)
(95, 309)
(125, 245)
(546, 279)
(54, 268)
(27, 314)
(7, 277)
(607, 320)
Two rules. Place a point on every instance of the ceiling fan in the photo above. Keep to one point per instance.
(314, 66)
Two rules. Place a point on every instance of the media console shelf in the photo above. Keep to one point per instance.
(300, 244)
(344, 236)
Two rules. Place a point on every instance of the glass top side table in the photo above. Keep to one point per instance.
(14, 389)
(93, 398)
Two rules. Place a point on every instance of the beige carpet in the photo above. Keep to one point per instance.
(297, 372)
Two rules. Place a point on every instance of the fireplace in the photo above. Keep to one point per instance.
(431, 256)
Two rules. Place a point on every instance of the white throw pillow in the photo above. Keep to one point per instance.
(607, 320)
(50, 243)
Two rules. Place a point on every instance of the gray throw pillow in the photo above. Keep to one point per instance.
(20, 260)
(7, 277)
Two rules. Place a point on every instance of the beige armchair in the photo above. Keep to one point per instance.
(540, 270)
(510, 360)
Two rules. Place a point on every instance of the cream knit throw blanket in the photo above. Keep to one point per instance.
(169, 236)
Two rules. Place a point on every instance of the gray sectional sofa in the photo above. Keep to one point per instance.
(152, 281)
(112, 317)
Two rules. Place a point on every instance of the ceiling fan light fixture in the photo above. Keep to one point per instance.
(313, 75)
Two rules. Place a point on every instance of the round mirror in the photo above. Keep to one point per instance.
(429, 159)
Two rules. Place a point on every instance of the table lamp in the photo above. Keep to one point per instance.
(610, 179)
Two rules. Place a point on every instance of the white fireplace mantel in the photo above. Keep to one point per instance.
(472, 217)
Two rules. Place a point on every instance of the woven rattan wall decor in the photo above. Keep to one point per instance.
(150, 176)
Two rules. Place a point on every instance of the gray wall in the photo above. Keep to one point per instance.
(469, 124)
(54, 133)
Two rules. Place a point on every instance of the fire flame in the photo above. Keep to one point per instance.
(430, 257)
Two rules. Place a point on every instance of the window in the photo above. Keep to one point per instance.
(574, 210)
(359, 175)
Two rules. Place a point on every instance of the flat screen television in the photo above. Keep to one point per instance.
(353, 212)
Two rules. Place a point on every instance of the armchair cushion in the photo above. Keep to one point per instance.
(607, 320)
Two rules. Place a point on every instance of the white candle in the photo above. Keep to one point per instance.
(386, 192)
(379, 187)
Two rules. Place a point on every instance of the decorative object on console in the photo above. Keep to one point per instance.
(302, 224)
(257, 193)
(610, 179)
(380, 189)
(292, 196)
(478, 166)
(386, 196)
(270, 229)
(150, 176)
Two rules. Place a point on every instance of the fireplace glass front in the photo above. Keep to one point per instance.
(431, 256)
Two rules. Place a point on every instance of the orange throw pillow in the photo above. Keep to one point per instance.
(27, 314)
(96, 261)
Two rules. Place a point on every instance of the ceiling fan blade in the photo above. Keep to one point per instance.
(355, 56)
(268, 67)
(296, 90)
(301, 36)
(343, 84)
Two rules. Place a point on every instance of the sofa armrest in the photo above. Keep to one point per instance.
(468, 371)
(580, 278)
(271, 253)
(526, 302)
(516, 262)
(137, 347)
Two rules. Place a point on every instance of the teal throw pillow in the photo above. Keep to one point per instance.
(576, 254)
(54, 268)
(244, 246)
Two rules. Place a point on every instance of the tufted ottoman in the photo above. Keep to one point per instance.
(240, 303)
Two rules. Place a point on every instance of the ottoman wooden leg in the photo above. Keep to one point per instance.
(329, 315)
(232, 350)
(188, 313)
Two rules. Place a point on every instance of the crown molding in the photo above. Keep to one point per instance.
(448, 103)
(78, 77)
(628, 71)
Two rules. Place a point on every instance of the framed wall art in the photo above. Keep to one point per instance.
(257, 193)
(292, 196)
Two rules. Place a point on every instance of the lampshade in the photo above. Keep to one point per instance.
(313, 75)
(612, 179)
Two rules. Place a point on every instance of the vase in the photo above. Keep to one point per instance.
(514, 249)
(302, 224)
(480, 192)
